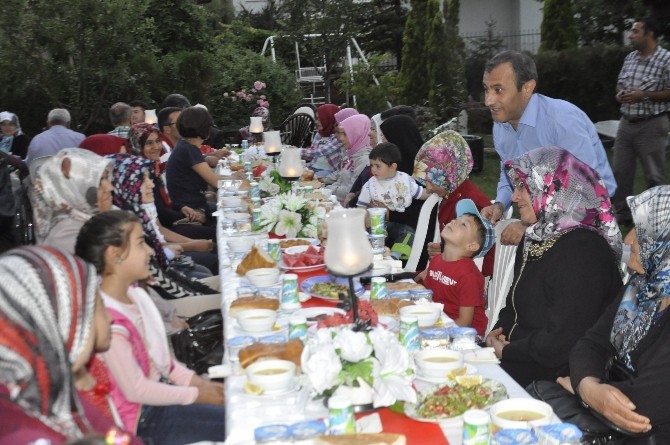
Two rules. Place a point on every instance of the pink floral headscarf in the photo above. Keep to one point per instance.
(565, 194)
(445, 160)
(357, 129)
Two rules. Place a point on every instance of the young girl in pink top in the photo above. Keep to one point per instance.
(156, 396)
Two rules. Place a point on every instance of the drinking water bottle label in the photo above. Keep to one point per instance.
(341, 416)
(289, 290)
(409, 332)
(476, 429)
(256, 219)
(254, 190)
(377, 224)
(245, 144)
(274, 249)
(297, 328)
(378, 290)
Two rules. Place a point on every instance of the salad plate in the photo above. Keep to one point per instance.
(328, 287)
(446, 403)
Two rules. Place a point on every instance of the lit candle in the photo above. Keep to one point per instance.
(272, 142)
(256, 125)
(290, 165)
(150, 117)
(348, 253)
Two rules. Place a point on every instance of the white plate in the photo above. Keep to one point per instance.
(302, 296)
(293, 387)
(283, 266)
(483, 355)
(471, 370)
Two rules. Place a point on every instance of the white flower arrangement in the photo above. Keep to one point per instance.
(338, 357)
(290, 215)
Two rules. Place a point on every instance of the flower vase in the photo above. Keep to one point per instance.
(361, 396)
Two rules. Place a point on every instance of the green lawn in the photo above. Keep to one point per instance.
(487, 179)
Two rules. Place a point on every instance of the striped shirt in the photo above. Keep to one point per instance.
(652, 74)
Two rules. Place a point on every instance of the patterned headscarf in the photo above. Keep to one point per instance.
(345, 113)
(138, 135)
(402, 131)
(644, 292)
(47, 302)
(357, 129)
(74, 197)
(565, 194)
(265, 114)
(326, 114)
(127, 180)
(445, 160)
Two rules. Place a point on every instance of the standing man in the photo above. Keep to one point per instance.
(524, 120)
(643, 90)
(56, 137)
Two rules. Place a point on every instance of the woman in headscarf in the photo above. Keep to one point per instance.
(354, 134)
(133, 191)
(566, 270)
(326, 151)
(145, 141)
(14, 140)
(52, 321)
(69, 188)
(402, 131)
(267, 125)
(633, 334)
(444, 164)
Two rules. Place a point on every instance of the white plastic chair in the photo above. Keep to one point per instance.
(422, 232)
(503, 273)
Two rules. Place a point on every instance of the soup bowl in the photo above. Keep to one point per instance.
(241, 244)
(436, 363)
(263, 277)
(520, 413)
(257, 320)
(271, 375)
(231, 201)
(428, 314)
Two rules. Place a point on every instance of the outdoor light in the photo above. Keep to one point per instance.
(290, 166)
(150, 116)
(256, 125)
(349, 254)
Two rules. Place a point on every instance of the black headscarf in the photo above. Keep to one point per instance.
(402, 131)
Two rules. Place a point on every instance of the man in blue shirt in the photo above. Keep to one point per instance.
(57, 137)
(524, 120)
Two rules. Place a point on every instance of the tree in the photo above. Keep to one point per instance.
(335, 23)
(605, 21)
(381, 27)
(70, 54)
(413, 74)
(483, 48)
(558, 26)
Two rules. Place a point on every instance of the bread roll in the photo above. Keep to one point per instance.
(362, 439)
(252, 302)
(292, 350)
(255, 259)
(390, 307)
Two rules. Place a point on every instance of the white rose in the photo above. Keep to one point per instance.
(353, 346)
(322, 366)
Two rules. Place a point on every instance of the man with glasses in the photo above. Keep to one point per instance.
(167, 122)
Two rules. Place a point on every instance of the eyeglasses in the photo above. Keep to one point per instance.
(152, 142)
(518, 185)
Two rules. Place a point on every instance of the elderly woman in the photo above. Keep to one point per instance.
(13, 140)
(354, 134)
(444, 164)
(52, 320)
(69, 188)
(566, 270)
(263, 113)
(634, 332)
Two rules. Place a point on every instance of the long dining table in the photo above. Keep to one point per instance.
(246, 412)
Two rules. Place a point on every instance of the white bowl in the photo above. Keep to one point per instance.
(241, 244)
(533, 412)
(428, 314)
(264, 277)
(257, 320)
(271, 375)
(436, 363)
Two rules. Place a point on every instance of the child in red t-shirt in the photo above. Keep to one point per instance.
(453, 276)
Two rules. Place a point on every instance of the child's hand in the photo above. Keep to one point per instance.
(434, 249)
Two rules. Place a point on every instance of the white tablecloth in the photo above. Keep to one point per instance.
(245, 412)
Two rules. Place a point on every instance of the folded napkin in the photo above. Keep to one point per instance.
(483, 355)
(369, 424)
